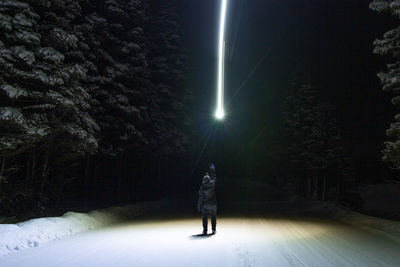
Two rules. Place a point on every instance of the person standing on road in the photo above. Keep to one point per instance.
(207, 203)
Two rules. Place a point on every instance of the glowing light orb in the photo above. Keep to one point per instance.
(220, 114)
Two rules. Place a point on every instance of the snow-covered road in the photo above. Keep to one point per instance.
(172, 241)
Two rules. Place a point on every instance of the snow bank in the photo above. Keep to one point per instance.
(302, 205)
(389, 228)
(32, 233)
(377, 197)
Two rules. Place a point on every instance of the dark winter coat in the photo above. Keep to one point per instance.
(207, 197)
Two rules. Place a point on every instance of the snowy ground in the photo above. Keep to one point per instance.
(240, 241)
(35, 232)
(318, 234)
(383, 227)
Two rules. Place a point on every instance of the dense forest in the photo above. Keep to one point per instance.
(264, 131)
(388, 45)
(93, 99)
(96, 108)
(314, 144)
(315, 158)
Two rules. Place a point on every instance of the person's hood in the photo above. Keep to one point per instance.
(206, 179)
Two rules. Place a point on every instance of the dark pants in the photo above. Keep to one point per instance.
(209, 212)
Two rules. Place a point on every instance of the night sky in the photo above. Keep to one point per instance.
(332, 41)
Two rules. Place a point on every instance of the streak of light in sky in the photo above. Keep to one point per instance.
(220, 113)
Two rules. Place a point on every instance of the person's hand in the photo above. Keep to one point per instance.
(212, 166)
(198, 209)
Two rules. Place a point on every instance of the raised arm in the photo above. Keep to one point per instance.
(213, 174)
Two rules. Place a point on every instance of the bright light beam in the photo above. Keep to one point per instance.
(220, 113)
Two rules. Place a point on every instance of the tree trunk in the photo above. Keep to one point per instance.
(33, 166)
(315, 187)
(45, 172)
(125, 176)
(3, 166)
(133, 177)
(324, 187)
(28, 169)
(141, 182)
(309, 186)
(120, 174)
(339, 184)
(86, 182)
(159, 178)
(95, 178)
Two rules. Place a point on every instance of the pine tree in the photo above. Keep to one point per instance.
(87, 77)
(168, 64)
(41, 91)
(313, 139)
(114, 44)
(44, 119)
(390, 79)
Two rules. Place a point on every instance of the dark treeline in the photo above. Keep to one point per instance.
(390, 81)
(95, 109)
(307, 153)
(314, 145)
(93, 101)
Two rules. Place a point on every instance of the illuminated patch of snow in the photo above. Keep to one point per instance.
(32, 233)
